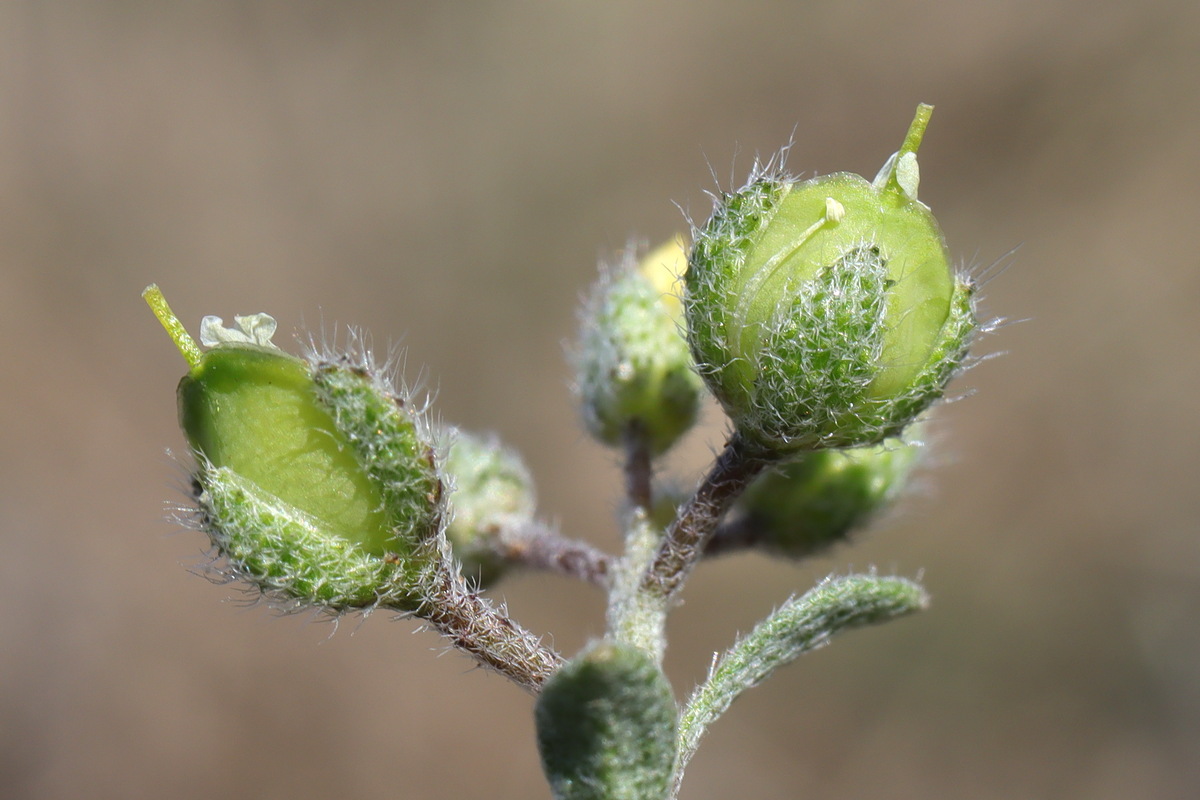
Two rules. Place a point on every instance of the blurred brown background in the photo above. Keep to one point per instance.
(446, 175)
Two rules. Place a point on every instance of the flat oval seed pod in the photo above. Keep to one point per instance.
(253, 410)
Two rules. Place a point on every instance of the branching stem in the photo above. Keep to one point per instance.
(539, 546)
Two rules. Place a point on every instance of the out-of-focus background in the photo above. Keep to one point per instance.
(446, 176)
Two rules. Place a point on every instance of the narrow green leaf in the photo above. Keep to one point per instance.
(798, 626)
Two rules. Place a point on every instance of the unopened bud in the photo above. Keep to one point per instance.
(492, 491)
(634, 370)
(606, 725)
(804, 506)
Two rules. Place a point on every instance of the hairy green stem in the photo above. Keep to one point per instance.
(635, 616)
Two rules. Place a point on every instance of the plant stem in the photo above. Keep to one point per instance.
(639, 471)
(635, 616)
(686, 539)
(539, 546)
(483, 631)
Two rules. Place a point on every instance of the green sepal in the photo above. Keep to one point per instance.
(606, 725)
(822, 353)
(945, 359)
(291, 556)
(387, 439)
(718, 256)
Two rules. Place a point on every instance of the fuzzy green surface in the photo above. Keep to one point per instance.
(944, 360)
(633, 365)
(819, 357)
(492, 488)
(808, 504)
(253, 411)
(606, 725)
(386, 441)
(918, 271)
(718, 255)
(816, 332)
(289, 554)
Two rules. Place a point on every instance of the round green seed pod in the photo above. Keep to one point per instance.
(315, 482)
(493, 490)
(824, 313)
(633, 368)
(806, 505)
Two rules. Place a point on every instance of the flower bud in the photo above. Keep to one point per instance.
(806, 505)
(824, 313)
(492, 490)
(606, 725)
(315, 482)
(634, 370)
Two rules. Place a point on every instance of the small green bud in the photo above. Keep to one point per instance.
(606, 725)
(824, 313)
(314, 480)
(806, 505)
(634, 370)
(492, 489)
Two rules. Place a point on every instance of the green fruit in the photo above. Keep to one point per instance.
(824, 313)
(315, 482)
(255, 412)
(806, 505)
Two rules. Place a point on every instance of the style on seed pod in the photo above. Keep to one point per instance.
(315, 483)
(824, 313)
